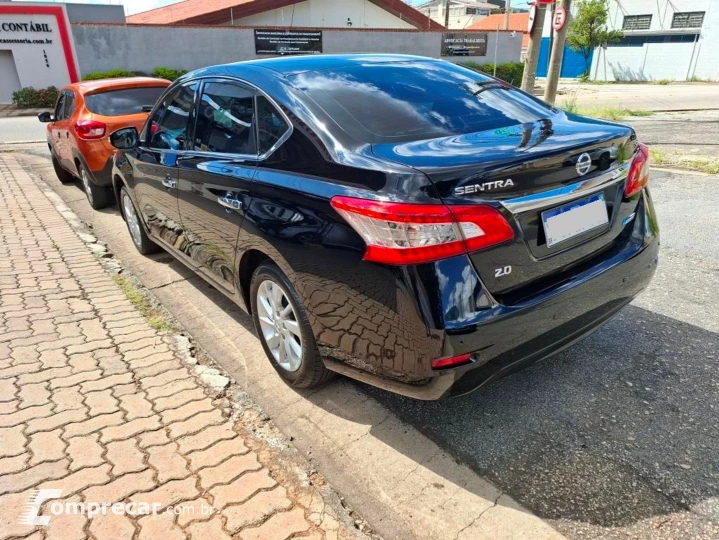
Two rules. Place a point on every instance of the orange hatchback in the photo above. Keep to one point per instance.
(86, 114)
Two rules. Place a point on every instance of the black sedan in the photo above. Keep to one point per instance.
(400, 220)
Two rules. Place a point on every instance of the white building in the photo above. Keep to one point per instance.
(663, 39)
(306, 13)
(462, 13)
(36, 47)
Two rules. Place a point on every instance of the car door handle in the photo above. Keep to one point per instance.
(169, 182)
(230, 203)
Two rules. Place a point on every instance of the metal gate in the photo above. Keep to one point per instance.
(572, 62)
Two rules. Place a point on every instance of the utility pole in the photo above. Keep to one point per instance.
(507, 11)
(446, 13)
(555, 62)
(535, 43)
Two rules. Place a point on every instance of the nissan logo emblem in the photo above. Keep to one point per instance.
(584, 163)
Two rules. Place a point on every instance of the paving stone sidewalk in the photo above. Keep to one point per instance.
(96, 403)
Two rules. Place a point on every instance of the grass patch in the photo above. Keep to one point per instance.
(663, 82)
(607, 113)
(657, 155)
(612, 113)
(703, 164)
(694, 78)
(154, 316)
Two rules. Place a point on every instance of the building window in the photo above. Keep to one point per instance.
(637, 22)
(640, 41)
(476, 11)
(689, 19)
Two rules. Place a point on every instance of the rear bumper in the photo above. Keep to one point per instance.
(506, 338)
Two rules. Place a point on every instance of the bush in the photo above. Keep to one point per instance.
(31, 98)
(168, 73)
(112, 74)
(510, 72)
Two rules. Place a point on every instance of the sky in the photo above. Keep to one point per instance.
(136, 6)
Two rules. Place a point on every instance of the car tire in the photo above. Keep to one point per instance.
(98, 196)
(286, 337)
(134, 226)
(62, 175)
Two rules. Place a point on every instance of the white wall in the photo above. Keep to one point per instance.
(101, 47)
(30, 64)
(324, 14)
(655, 61)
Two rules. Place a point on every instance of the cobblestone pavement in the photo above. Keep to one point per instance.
(96, 403)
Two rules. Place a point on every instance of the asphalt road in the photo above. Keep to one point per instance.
(619, 435)
(682, 133)
(21, 128)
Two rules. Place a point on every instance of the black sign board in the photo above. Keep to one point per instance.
(464, 44)
(285, 42)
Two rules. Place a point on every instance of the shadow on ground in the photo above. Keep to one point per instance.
(617, 429)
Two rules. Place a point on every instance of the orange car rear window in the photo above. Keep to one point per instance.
(122, 102)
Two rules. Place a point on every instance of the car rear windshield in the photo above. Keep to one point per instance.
(416, 100)
(123, 102)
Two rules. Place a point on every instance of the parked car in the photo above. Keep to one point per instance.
(400, 220)
(78, 132)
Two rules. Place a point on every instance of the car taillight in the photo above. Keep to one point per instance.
(638, 176)
(453, 361)
(402, 233)
(90, 129)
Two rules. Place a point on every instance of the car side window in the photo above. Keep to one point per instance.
(169, 126)
(271, 125)
(225, 121)
(69, 107)
(60, 107)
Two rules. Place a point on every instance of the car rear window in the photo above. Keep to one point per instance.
(416, 100)
(123, 102)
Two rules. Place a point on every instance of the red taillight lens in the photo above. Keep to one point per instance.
(401, 233)
(638, 176)
(451, 362)
(90, 129)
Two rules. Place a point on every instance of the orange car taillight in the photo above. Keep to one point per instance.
(402, 233)
(638, 176)
(90, 129)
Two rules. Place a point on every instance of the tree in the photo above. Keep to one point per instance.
(588, 29)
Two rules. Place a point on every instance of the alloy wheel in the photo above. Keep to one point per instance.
(279, 324)
(133, 222)
(86, 184)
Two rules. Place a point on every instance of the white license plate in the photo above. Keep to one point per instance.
(573, 219)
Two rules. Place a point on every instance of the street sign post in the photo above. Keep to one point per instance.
(560, 18)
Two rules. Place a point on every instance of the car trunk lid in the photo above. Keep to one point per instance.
(525, 170)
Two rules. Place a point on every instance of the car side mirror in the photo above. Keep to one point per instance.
(45, 117)
(125, 138)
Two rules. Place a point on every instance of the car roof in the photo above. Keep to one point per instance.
(286, 66)
(87, 87)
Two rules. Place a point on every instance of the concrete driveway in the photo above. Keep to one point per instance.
(615, 437)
